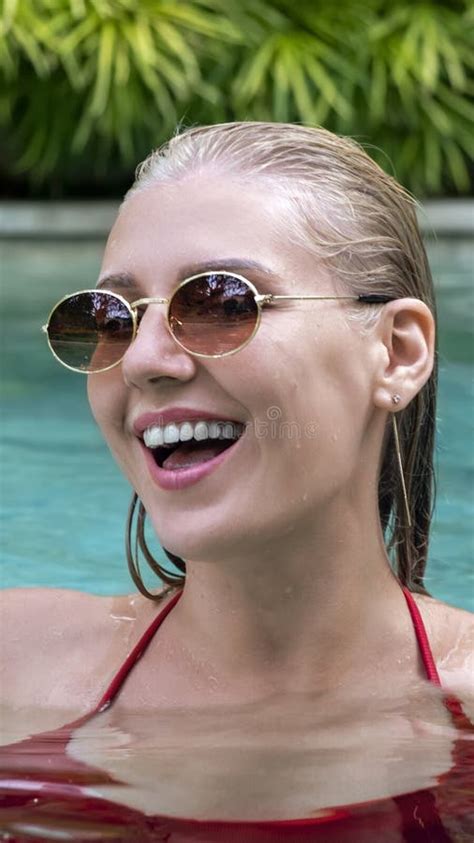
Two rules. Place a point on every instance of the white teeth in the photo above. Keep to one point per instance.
(186, 432)
(171, 433)
(157, 435)
(228, 431)
(153, 436)
(214, 429)
(201, 431)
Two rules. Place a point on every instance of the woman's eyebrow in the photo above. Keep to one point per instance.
(127, 281)
(222, 265)
(120, 280)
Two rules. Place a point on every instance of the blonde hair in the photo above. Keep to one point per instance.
(362, 224)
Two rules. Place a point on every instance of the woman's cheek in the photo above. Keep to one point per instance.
(107, 401)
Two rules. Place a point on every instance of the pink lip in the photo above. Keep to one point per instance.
(173, 481)
(174, 414)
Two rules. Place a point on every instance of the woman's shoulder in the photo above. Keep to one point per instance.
(454, 619)
(49, 615)
(450, 631)
(45, 606)
(60, 645)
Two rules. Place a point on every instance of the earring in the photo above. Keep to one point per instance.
(396, 398)
(400, 464)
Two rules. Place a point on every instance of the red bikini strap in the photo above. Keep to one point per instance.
(121, 675)
(142, 644)
(422, 639)
(452, 703)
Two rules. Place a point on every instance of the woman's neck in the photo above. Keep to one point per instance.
(294, 617)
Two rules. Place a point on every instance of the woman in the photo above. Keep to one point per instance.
(285, 671)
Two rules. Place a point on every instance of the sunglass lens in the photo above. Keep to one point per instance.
(213, 314)
(90, 331)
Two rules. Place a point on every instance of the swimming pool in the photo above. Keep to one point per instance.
(64, 500)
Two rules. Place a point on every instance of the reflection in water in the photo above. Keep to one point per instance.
(135, 777)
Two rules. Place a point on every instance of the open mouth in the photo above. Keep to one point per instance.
(181, 455)
(174, 456)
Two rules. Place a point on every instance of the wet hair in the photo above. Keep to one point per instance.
(362, 224)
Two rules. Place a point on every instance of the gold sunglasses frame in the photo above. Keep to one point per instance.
(261, 299)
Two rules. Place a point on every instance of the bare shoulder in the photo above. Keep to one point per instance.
(59, 646)
(451, 634)
(45, 614)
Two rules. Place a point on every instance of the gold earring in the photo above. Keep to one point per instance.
(400, 464)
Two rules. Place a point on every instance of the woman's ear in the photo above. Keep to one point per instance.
(406, 331)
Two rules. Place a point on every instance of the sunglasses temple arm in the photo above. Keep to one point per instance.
(363, 298)
(374, 298)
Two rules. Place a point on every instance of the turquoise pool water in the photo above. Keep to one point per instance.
(64, 502)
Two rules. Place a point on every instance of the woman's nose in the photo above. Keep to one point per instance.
(154, 353)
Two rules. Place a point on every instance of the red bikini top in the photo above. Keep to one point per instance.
(45, 791)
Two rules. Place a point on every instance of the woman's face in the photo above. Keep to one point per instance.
(302, 386)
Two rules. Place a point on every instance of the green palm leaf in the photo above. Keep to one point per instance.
(100, 93)
(87, 82)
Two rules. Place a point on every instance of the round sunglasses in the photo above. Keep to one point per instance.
(213, 314)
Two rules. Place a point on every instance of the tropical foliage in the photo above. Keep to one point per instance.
(90, 86)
